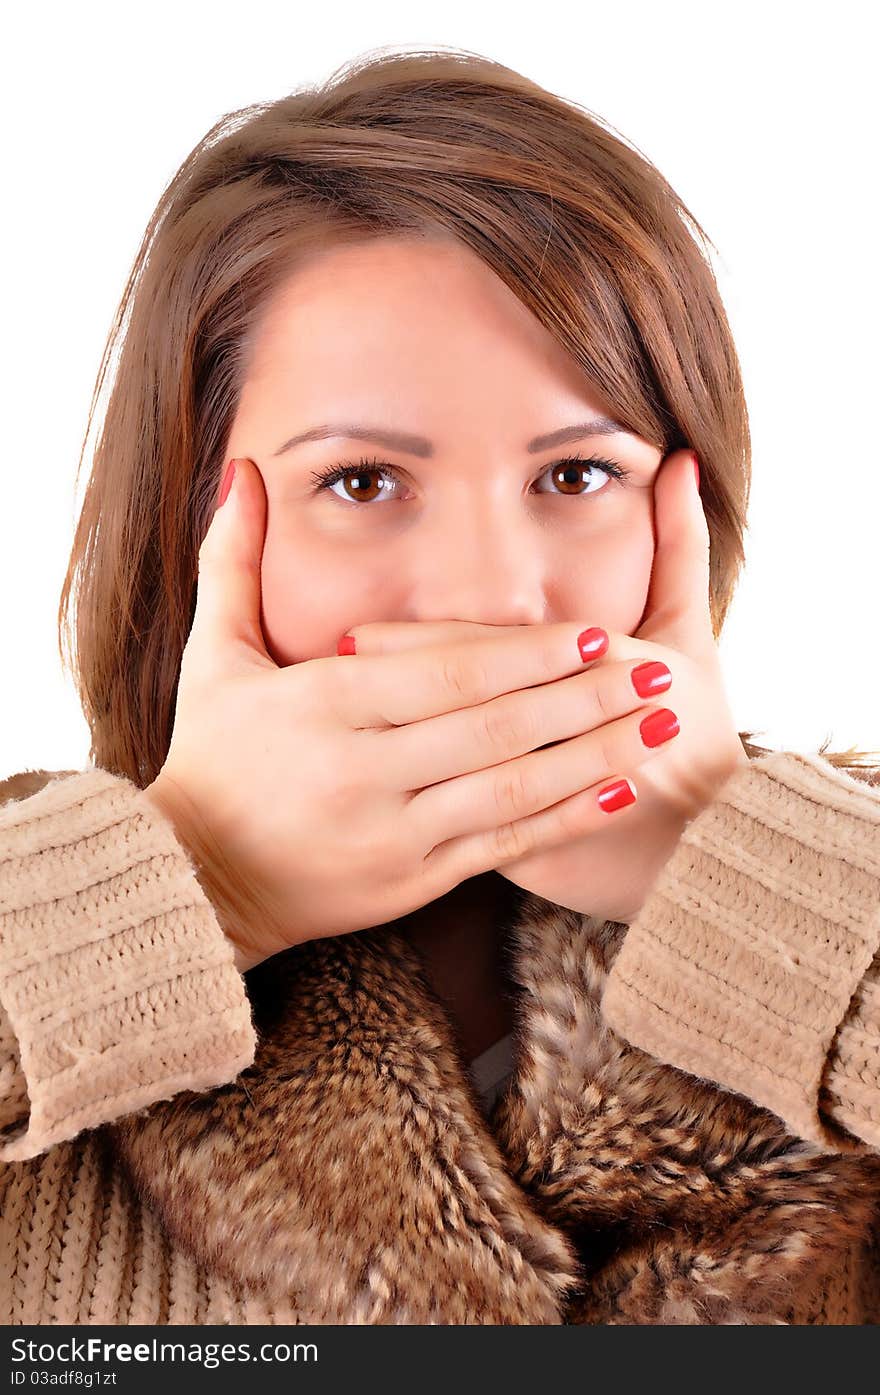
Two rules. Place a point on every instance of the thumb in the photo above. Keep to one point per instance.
(677, 608)
(228, 600)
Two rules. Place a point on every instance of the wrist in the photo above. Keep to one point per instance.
(209, 865)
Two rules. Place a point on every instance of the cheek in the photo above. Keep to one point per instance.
(311, 594)
(609, 586)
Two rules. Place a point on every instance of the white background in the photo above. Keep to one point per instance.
(760, 115)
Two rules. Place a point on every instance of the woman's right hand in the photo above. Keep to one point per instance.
(338, 794)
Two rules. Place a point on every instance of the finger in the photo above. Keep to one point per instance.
(677, 611)
(576, 817)
(491, 815)
(399, 636)
(441, 748)
(226, 623)
(392, 690)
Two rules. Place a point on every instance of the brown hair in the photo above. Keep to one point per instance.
(576, 222)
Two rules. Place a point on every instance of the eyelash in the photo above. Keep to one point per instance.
(322, 479)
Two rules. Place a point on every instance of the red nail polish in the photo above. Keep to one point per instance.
(346, 645)
(592, 643)
(616, 796)
(651, 678)
(658, 727)
(227, 483)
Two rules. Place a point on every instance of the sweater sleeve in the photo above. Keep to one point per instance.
(755, 961)
(117, 985)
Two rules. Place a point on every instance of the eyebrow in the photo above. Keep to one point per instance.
(419, 445)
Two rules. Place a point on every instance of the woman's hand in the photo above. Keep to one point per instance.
(606, 866)
(339, 794)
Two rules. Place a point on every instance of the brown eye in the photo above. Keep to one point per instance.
(356, 480)
(360, 485)
(568, 475)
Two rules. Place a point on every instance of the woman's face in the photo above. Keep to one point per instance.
(466, 513)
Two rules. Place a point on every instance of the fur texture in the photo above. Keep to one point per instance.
(351, 1167)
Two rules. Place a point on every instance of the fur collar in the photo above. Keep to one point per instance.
(350, 1167)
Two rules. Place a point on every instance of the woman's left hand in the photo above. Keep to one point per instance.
(610, 873)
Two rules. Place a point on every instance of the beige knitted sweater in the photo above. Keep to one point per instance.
(755, 964)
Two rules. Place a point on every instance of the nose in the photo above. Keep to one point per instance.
(485, 564)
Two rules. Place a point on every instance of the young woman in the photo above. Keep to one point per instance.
(424, 944)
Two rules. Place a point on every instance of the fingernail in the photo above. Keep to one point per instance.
(650, 678)
(227, 484)
(346, 645)
(616, 796)
(592, 643)
(658, 727)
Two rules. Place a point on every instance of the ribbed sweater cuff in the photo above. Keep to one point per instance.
(117, 986)
(752, 962)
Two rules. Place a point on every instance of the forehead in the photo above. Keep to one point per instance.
(407, 306)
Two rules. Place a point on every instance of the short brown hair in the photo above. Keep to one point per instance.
(576, 222)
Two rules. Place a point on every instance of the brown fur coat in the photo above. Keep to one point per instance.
(351, 1165)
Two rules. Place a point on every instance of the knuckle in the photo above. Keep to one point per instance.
(601, 697)
(509, 841)
(507, 729)
(323, 688)
(572, 816)
(510, 790)
(345, 804)
(342, 786)
(338, 798)
(464, 678)
(609, 746)
(547, 658)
